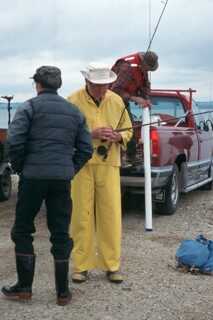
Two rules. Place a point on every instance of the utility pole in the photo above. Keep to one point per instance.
(8, 98)
(149, 26)
(145, 137)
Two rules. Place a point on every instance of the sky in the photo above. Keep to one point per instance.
(71, 34)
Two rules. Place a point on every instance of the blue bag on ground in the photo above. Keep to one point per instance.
(195, 253)
(208, 266)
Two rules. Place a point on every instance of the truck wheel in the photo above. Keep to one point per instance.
(125, 199)
(172, 194)
(209, 185)
(5, 185)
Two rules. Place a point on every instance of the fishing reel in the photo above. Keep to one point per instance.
(102, 151)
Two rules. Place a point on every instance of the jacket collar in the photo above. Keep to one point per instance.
(91, 97)
(53, 91)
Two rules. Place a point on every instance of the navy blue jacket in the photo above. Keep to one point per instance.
(48, 138)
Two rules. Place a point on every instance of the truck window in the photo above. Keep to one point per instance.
(203, 121)
(199, 118)
(164, 105)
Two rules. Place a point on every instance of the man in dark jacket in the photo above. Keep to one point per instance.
(48, 144)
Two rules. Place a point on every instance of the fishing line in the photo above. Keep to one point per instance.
(168, 121)
(157, 25)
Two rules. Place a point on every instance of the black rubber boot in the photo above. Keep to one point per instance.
(22, 290)
(64, 295)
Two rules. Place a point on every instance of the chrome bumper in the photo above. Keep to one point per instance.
(159, 177)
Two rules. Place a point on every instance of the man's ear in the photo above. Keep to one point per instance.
(38, 86)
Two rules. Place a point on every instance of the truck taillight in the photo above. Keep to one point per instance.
(3, 135)
(155, 145)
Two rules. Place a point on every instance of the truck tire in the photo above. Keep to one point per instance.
(208, 186)
(5, 185)
(125, 199)
(172, 194)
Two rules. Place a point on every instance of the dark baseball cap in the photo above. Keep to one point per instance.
(48, 76)
(150, 58)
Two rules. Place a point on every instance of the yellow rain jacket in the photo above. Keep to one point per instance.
(107, 114)
(96, 215)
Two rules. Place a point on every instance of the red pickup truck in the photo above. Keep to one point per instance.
(181, 150)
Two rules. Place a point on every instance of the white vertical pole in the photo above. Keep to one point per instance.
(149, 21)
(145, 137)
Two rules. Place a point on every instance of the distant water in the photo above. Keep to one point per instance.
(207, 105)
(4, 114)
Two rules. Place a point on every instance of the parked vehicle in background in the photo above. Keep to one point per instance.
(181, 150)
(5, 169)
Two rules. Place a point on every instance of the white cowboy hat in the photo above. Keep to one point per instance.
(99, 73)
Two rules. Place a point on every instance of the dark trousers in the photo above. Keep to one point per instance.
(132, 144)
(31, 194)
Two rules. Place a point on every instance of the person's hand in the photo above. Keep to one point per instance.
(107, 134)
(116, 137)
(102, 133)
(144, 103)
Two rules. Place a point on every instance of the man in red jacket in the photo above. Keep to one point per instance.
(132, 77)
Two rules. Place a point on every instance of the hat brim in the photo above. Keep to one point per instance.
(112, 77)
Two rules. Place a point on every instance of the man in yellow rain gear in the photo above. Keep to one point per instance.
(96, 217)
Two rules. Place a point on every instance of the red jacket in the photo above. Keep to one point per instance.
(131, 80)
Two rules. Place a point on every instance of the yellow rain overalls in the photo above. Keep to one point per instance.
(96, 216)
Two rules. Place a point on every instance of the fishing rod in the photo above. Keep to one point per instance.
(157, 25)
(165, 122)
(145, 54)
(103, 150)
(9, 108)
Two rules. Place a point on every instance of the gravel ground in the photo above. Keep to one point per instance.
(152, 289)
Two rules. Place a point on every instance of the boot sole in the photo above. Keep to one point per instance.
(78, 280)
(80, 277)
(23, 296)
(63, 301)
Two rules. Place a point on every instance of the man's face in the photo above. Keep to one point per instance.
(97, 91)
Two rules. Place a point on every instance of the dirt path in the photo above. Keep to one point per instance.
(153, 289)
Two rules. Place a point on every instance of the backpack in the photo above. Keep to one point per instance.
(195, 256)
